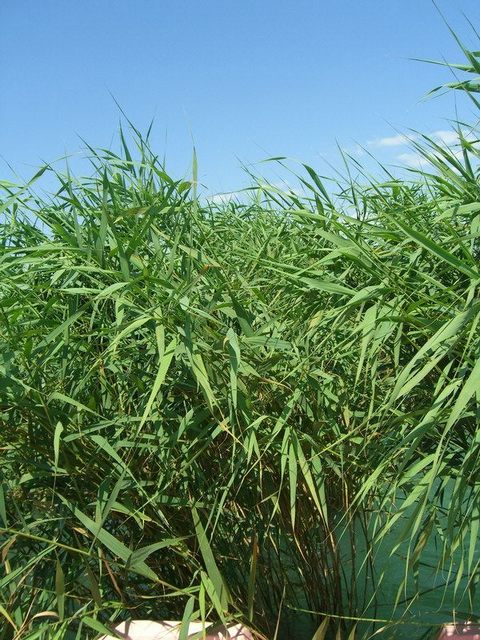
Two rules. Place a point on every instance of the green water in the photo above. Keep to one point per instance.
(437, 595)
(425, 599)
(412, 618)
(428, 599)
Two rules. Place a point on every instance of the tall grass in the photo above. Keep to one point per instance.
(225, 411)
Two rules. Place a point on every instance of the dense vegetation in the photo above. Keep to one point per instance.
(223, 410)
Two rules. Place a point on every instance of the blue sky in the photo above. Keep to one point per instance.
(246, 79)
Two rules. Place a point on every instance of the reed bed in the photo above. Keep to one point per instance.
(238, 411)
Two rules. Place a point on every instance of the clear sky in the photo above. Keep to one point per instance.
(244, 78)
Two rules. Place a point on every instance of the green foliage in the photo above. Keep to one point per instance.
(207, 409)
